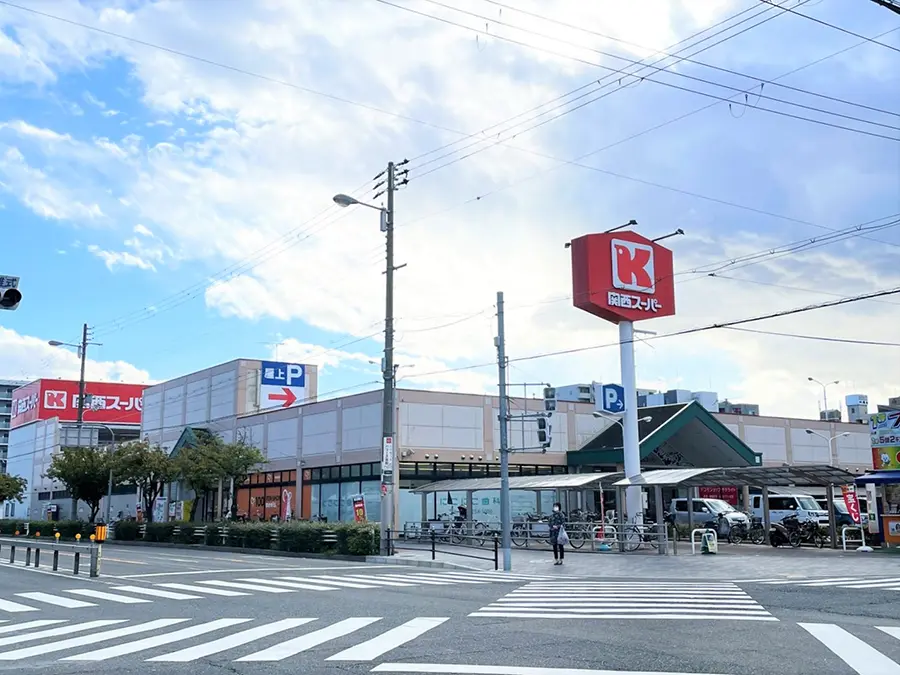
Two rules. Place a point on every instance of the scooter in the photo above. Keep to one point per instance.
(786, 533)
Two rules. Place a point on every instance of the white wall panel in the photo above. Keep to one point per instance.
(770, 441)
(855, 449)
(735, 429)
(361, 427)
(151, 412)
(809, 449)
(173, 406)
(441, 426)
(223, 390)
(319, 433)
(281, 439)
(587, 427)
(197, 403)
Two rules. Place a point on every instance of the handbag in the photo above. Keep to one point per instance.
(562, 539)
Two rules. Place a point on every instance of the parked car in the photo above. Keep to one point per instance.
(706, 510)
(781, 506)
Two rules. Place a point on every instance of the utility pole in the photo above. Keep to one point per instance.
(505, 524)
(893, 5)
(83, 353)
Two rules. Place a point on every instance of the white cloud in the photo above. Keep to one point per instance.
(25, 357)
(251, 163)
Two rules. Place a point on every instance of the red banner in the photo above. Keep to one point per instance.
(105, 402)
(726, 494)
(852, 502)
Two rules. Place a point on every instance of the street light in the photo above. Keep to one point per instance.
(604, 416)
(824, 386)
(828, 439)
(388, 371)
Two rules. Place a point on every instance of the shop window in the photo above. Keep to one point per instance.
(315, 474)
(292, 477)
(330, 502)
(371, 490)
(348, 492)
(355, 471)
(345, 472)
(43, 496)
(314, 501)
(376, 468)
(367, 469)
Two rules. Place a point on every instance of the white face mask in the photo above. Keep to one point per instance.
(556, 509)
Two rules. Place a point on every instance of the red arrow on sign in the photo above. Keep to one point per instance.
(288, 397)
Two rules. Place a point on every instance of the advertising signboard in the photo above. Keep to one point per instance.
(622, 276)
(851, 502)
(359, 508)
(281, 385)
(885, 430)
(105, 402)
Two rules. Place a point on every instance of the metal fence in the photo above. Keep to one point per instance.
(34, 547)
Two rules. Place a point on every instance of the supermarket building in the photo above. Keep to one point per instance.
(321, 454)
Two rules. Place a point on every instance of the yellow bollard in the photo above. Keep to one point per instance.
(57, 536)
(17, 533)
(78, 537)
(93, 537)
(37, 534)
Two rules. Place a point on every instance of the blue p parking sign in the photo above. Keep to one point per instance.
(613, 396)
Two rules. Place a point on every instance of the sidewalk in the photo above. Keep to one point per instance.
(742, 562)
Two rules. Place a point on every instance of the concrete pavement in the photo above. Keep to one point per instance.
(329, 617)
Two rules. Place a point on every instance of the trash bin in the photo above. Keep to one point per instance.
(100, 533)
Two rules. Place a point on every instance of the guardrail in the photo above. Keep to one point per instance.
(93, 551)
(222, 533)
(861, 540)
(434, 541)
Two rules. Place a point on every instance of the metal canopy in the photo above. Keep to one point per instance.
(566, 481)
(757, 476)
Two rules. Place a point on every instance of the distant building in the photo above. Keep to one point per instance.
(6, 396)
(857, 408)
(728, 408)
(830, 415)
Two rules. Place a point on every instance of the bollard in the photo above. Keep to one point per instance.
(496, 553)
(37, 558)
(77, 562)
(95, 561)
(55, 561)
(12, 553)
(433, 552)
(27, 556)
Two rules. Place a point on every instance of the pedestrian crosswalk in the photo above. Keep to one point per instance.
(879, 583)
(358, 639)
(858, 653)
(240, 586)
(627, 600)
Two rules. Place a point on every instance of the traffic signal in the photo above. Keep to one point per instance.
(549, 399)
(10, 295)
(543, 433)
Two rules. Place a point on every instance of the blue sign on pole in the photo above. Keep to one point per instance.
(283, 374)
(613, 396)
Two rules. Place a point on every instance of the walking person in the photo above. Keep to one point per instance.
(558, 536)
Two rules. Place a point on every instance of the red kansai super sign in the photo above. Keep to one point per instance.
(622, 276)
(105, 402)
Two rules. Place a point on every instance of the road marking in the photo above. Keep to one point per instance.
(873, 583)
(378, 646)
(328, 582)
(246, 587)
(203, 589)
(296, 585)
(890, 630)
(28, 625)
(426, 582)
(156, 640)
(102, 595)
(441, 577)
(864, 659)
(823, 582)
(380, 580)
(230, 641)
(668, 617)
(57, 600)
(120, 560)
(85, 640)
(63, 630)
(10, 606)
(466, 669)
(300, 644)
(238, 570)
(156, 592)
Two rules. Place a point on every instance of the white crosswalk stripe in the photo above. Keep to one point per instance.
(879, 583)
(856, 653)
(372, 638)
(627, 600)
(242, 587)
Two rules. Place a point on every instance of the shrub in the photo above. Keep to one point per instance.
(160, 532)
(250, 535)
(45, 527)
(69, 528)
(127, 530)
(8, 526)
(302, 537)
(356, 539)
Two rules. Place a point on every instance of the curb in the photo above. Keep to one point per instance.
(236, 549)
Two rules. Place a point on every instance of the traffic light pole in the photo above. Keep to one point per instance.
(505, 523)
(83, 354)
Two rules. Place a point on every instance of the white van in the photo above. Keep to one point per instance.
(781, 506)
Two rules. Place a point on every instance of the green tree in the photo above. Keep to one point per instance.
(237, 461)
(85, 473)
(200, 467)
(12, 487)
(148, 467)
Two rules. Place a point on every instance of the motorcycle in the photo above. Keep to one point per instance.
(787, 532)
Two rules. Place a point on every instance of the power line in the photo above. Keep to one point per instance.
(838, 28)
(537, 174)
(687, 331)
(665, 84)
(686, 59)
(819, 338)
(633, 62)
(798, 289)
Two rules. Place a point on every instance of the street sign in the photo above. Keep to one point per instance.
(613, 396)
(281, 385)
(387, 456)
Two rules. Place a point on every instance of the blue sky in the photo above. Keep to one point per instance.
(183, 209)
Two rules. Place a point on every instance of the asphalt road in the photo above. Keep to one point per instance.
(200, 612)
